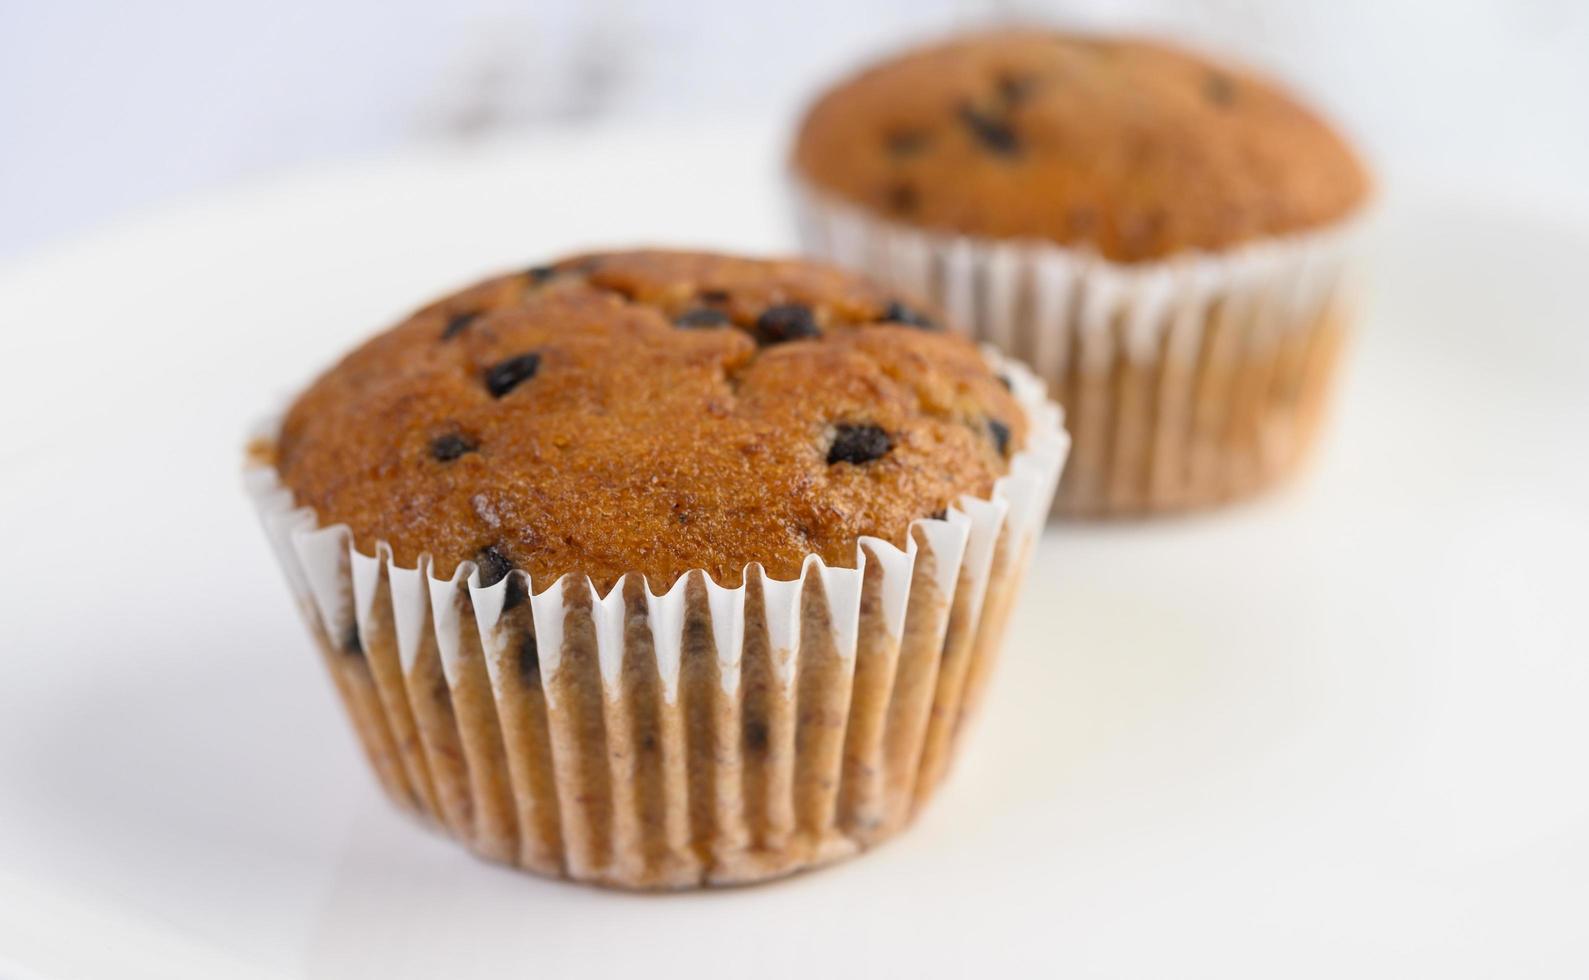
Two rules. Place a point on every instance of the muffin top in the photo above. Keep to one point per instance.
(650, 412)
(1136, 149)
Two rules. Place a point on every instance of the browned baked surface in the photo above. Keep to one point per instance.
(651, 412)
(1133, 147)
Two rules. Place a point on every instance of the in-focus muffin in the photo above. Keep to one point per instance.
(659, 569)
(1158, 234)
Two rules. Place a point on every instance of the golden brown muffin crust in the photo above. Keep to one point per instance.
(1135, 148)
(650, 412)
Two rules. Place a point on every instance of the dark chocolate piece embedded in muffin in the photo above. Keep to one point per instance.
(504, 376)
(575, 427)
(1135, 148)
(1000, 434)
(446, 448)
(858, 444)
(897, 312)
(996, 135)
(457, 324)
(493, 564)
(785, 322)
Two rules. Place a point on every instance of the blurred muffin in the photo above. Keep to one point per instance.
(1159, 235)
(660, 569)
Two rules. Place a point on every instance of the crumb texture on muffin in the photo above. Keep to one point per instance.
(651, 412)
(1135, 148)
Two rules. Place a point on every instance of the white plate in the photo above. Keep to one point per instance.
(1341, 731)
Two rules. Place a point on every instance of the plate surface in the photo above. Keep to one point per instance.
(1339, 731)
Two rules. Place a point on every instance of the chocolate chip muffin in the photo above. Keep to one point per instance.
(653, 413)
(1158, 232)
(732, 542)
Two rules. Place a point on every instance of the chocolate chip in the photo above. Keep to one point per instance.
(902, 197)
(539, 273)
(786, 321)
(351, 643)
(1016, 87)
(941, 514)
(445, 449)
(897, 312)
(1219, 88)
(995, 135)
(509, 374)
(529, 660)
(702, 316)
(858, 443)
(713, 295)
(756, 735)
(515, 592)
(1004, 380)
(1001, 436)
(493, 565)
(906, 142)
(648, 742)
(458, 324)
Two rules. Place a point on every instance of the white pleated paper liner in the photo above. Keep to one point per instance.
(702, 735)
(1185, 381)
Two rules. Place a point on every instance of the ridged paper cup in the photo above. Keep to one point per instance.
(705, 735)
(1186, 382)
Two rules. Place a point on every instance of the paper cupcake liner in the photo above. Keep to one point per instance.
(1186, 382)
(706, 735)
